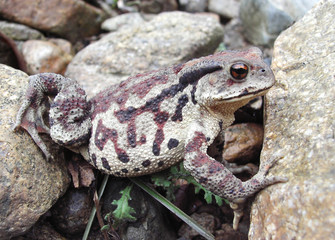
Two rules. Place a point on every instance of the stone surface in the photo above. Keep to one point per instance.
(19, 32)
(127, 20)
(44, 56)
(263, 21)
(71, 212)
(300, 127)
(193, 5)
(161, 42)
(225, 8)
(228, 233)
(204, 219)
(68, 18)
(147, 6)
(296, 9)
(243, 142)
(41, 231)
(29, 184)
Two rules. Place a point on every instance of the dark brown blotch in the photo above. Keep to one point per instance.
(105, 163)
(172, 143)
(146, 163)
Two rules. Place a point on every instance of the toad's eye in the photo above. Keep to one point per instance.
(239, 71)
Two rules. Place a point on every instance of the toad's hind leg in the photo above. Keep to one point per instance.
(69, 119)
(215, 177)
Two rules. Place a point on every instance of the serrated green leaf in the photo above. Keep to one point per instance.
(123, 211)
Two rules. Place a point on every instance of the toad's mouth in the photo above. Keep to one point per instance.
(244, 95)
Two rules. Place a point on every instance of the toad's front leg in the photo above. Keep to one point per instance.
(214, 176)
(69, 118)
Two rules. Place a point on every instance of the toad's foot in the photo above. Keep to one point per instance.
(217, 178)
(238, 204)
(69, 113)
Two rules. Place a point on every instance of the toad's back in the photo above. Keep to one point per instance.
(139, 125)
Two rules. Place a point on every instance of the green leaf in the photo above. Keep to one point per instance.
(161, 181)
(167, 181)
(123, 211)
(105, 228)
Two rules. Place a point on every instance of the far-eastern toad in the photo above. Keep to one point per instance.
(154, 120)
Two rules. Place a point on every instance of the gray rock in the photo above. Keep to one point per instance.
(19, 32)
(296, 9)
(263, 21)
(300, 127)
(29, 185)
(127, 20)
(225, 8)
(233, 35)
(193, 5)
(161, 42)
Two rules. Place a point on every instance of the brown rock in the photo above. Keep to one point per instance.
(228, 233)
(204, 219)
(243, 142)
(29, 185)
(300, 128)
(41, 231)
(68, 18)
(43, 56)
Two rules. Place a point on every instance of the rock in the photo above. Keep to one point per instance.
(148, 6)
(127, 20)
(243, 142)
(68, 18)
(9, 53)
(29, 184)
(263, 21)
(19, 32)
(204, 219)
(43, 56)
(225, 8)
(157, 6)
(233, 35)
(193, 5)
(228, 233)
(161, 42)
(41, 231)
(71, 212)
(300, 128)
(63, 44)
(151, 221)
(296, 9)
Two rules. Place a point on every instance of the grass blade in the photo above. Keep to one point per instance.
(183, 216)
(90, 220)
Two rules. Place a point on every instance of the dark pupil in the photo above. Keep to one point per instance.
(239, 71)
